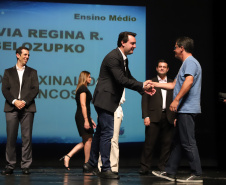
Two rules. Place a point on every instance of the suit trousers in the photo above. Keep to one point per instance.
(161, 132)
(184, 140)
(114, 154)
(12, 125)
(102, 139)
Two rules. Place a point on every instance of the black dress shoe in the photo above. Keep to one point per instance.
(7, 171)
(26, 171)
(108, 175)
(116, 173)
(143, 172)
(87, 168)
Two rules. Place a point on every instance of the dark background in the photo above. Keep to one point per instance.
(202, 20)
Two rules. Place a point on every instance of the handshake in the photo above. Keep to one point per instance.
(148, 87)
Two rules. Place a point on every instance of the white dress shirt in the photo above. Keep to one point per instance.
(163, 92)
(20, 75)
(119, 111)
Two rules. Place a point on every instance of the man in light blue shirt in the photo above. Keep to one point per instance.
(186, 102)
(190, 103)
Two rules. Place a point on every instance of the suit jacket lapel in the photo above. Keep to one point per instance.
(127, 67)
(25, 75)
(123, 66)
(122, 61)
(158, 90)
(15, 76)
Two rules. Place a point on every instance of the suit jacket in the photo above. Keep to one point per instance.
(29, 88)
(112, 80)
(152, 105)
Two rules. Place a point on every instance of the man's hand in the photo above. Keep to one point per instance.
(94, 124)
(149, 87)
(147, 121)
(151, 91)
(174, 105)
(19, 104)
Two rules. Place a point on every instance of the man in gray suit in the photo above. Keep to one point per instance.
(20, 86)
(158, 121)
(114, 76)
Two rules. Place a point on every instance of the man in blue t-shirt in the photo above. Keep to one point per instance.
(186, 102)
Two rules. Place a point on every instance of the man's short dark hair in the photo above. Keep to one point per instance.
(162, 60)
(19, 50)
(187, 43)
(123, 36)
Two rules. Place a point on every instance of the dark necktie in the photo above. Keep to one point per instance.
(125, 63)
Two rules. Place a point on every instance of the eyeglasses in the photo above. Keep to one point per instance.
(175, 47)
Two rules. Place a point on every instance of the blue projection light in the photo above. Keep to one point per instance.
(65, 39)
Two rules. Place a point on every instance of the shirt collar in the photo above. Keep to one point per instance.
(18, 69)
(123, 56)
(160, 80)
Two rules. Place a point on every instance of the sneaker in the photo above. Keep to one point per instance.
(164, 175)
(192, 178)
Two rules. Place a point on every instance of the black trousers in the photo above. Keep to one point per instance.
(162, 133)
(12, 125)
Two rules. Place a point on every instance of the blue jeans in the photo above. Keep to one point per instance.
(102, 139)
(184, 139)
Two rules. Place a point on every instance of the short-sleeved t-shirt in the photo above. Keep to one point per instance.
(190, 103)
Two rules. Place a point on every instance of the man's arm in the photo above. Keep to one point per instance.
(34, 89)
(167, 86)
(6, 87)
(184, 89)
(118, 74)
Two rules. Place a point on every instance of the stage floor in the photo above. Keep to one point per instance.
(128, 176)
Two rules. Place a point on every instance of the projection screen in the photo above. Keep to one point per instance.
(65, 39)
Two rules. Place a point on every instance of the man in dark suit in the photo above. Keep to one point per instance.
(20, 86)
(158, 121)
(114, 76)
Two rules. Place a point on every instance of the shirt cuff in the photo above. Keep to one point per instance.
(14, 101)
